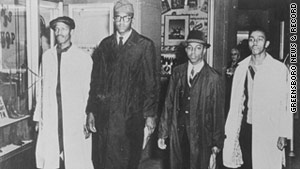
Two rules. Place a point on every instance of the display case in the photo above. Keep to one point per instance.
(16, 55)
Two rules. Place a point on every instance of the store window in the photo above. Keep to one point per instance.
(13, 60)
(15, 137)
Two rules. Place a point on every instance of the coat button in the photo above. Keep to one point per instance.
(186, 112)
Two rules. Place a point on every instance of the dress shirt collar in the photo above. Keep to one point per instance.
(59, 50)
(197, 68)
(125, 37)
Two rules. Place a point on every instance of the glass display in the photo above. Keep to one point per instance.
(13, 59)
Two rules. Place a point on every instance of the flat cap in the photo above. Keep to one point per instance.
(64, 19)
(123, 6)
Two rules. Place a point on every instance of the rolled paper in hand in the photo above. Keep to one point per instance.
(147, 134)
(212, 161)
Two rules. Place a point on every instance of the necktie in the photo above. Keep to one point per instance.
(192, 72)
(252, 72)
(120, 42)
(192, 76)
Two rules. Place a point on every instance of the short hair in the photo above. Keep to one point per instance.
(261, 29)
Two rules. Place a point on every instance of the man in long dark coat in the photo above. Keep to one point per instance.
(123, 96)
(193, 117)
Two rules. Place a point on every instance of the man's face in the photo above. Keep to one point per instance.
(62, 33)
(257, 42)
(195, 52)
(234, 55)
(123, 22)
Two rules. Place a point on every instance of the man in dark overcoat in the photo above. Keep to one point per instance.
(193, 117)
(123, 97)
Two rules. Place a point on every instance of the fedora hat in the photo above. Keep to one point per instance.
(198, 37)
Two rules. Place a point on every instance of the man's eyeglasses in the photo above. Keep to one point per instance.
(126, 18)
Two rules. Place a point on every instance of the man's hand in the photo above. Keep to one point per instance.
(86, 132)
(150, 124)
(36, 127)
(215, 150)
(281, 143)
(161, 143)
(90, 123)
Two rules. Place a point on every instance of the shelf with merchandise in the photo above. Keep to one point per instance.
(8, 121)
(12, 149)
(15, 131)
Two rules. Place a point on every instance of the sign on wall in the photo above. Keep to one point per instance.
(178, 18)
(13, 37)
(182, 16)
(176, 29)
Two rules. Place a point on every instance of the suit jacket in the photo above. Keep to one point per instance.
(206, 115)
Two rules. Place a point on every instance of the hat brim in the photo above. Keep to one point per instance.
(185, 43)
(54, 22)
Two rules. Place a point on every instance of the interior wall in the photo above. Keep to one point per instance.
(151, 22)
(267, 14)
(224, 29)
(232, 29)
(222, 34)
(147, 17)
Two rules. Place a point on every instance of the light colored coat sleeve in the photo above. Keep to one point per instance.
(232, 154)
(286, 119)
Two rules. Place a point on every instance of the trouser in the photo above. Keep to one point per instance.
(246, 144)
(118, 145)
(61, 164)
(185, 147)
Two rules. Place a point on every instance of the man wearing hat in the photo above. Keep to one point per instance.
(193, 118)
(123, 97)
(61, 100)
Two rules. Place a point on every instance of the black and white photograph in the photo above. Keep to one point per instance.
(165, 6)
(192, 4)
(177, 4)
(149, 84)
(176, 29)
(204, 6)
